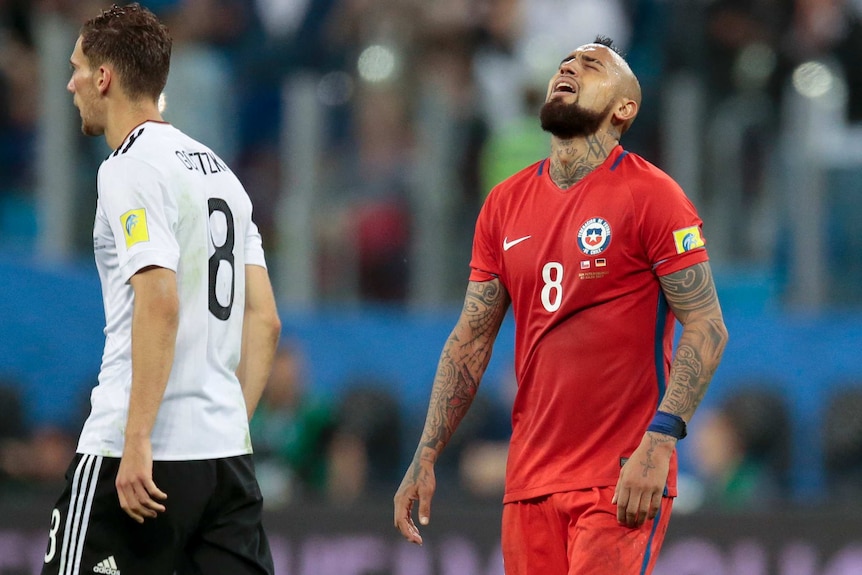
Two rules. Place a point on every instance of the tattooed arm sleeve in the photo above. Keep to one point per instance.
(692, 297)
(462, 363)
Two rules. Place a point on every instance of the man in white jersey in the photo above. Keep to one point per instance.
(163, 480)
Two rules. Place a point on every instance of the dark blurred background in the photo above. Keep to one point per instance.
(368, 133)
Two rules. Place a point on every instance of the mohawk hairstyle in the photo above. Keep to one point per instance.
(606, 41)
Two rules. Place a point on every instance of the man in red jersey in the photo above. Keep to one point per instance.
(598, 251)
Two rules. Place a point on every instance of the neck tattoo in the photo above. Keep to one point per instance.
(571, 161)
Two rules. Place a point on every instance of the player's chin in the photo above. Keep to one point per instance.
(89, 129)
(563, 96)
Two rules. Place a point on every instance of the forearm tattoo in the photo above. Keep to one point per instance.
(462, 363)
(692, 297)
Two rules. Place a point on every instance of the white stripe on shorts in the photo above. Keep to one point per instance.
(83, 490)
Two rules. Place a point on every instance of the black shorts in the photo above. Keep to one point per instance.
(212, 523)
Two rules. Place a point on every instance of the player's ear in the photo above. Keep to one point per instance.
(626, 110)
(625, 113)
(104, 77)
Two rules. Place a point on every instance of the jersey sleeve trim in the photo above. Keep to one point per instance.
(254, 253)
(256, 261)
(477, 275)
(148, 258)
(680, 262)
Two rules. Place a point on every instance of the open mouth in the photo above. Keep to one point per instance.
(565, 87)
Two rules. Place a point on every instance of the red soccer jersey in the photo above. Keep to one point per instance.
(594, 334)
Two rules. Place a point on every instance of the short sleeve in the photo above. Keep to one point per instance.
(254, 254)
(485, 262)
(141, 215)
(671, 229)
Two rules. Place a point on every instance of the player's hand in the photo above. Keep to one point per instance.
(418, 484)
(642, 480)
(136, 490)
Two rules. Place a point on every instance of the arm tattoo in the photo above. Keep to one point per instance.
(462, 363)
(692, 297)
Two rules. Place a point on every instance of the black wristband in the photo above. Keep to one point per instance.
(668, 424)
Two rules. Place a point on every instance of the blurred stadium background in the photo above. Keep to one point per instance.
(367, 133)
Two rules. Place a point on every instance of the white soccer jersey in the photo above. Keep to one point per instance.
(166, 200)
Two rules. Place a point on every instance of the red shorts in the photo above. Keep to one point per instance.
(577, 533)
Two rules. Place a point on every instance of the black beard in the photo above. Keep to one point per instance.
(567, 121)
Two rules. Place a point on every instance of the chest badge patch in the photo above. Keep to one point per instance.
(594, 237)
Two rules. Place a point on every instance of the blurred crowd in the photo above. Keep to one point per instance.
(385, 72)
(406, 89)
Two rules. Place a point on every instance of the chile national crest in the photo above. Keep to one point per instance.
(594, 236)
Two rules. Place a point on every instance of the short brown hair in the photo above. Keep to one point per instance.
(134, 40)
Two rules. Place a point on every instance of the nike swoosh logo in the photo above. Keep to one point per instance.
(507, 244)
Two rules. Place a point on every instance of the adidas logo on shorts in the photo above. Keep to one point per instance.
(107, 567)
